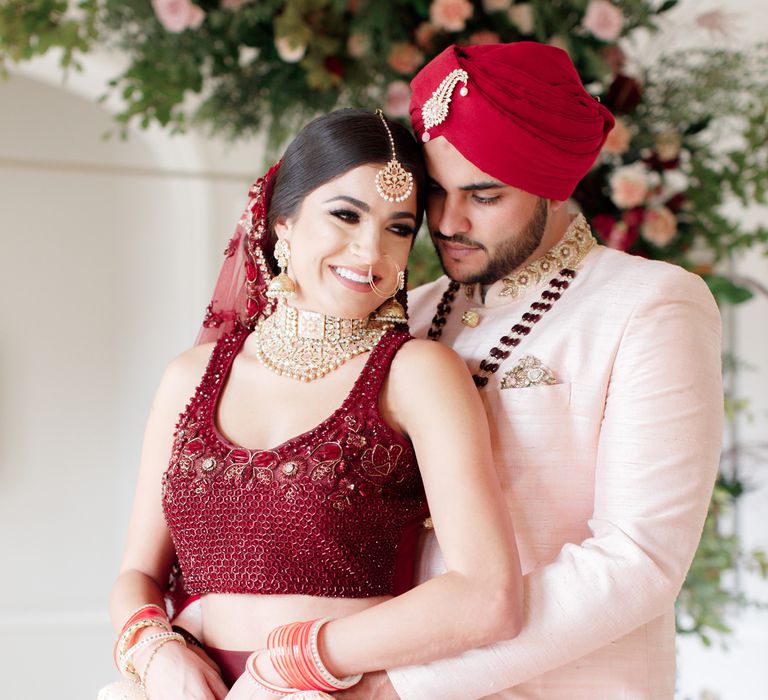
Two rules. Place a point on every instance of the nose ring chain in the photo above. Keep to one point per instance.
(399, 280)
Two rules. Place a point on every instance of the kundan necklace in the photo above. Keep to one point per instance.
(307, 345)
(567, 255)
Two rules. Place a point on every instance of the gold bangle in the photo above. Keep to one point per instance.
(143, 681)
(126, 637)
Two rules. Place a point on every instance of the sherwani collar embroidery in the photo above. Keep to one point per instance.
(569, 251)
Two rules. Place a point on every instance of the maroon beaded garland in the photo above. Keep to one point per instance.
(443, 309)
(522, 329)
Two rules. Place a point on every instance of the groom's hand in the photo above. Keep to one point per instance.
(374, 686)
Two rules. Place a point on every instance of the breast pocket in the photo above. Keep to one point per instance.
(530, 433)
(537, 400)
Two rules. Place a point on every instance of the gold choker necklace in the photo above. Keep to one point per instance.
(307, 345)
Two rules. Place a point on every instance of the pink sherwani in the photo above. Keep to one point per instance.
(607, 473)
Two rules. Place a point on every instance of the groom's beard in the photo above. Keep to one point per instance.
(509, 254)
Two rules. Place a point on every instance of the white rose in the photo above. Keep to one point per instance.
(247, 55)
(496, 5)
(522, 17)
(289, 51)
(674, 182)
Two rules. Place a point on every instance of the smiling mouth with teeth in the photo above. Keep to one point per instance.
(352, 276)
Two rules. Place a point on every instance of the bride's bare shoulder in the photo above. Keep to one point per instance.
(184, 372)
(423, 361)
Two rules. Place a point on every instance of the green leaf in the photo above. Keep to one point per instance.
(727, 291)
(666, 6)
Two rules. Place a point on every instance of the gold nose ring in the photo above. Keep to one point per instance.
(399, 280)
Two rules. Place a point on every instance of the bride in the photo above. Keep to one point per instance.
(290, 457)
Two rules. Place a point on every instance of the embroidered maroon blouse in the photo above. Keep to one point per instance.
(332, 512)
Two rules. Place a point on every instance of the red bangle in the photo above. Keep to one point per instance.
(144, 612)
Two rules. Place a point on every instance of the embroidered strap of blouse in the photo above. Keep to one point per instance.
(377, 366)
(366, 387)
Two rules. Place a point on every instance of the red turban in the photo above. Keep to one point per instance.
(525, 119)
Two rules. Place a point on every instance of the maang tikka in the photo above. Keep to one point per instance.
(282, 287)
(393, 182)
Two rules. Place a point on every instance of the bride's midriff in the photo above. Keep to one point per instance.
(242, 622)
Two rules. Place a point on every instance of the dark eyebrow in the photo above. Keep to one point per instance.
(488, 185)
(351, 200)
(403, 215)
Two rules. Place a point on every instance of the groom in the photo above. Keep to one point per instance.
(599, 371)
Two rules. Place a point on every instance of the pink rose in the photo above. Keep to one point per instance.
(496, 5)
(178, 15)
(603, 19)
(718, 23)
(450, 15)
(659, 226)
(424, 34)
(618, 139)
(484, 37)
(405, 58)
(522, 17)
(397, 99)
(358, 45)
(629, 185)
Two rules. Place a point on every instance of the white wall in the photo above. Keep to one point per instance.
(107, 254)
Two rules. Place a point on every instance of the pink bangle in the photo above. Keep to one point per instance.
(294, 654)
(328, 677)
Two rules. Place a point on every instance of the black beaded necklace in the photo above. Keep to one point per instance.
(557, 285)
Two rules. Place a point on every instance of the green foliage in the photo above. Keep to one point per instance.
(29, 29)
(423, 263)
(706, 600)
(726, 290)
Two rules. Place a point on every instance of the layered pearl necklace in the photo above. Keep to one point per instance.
(307, 345)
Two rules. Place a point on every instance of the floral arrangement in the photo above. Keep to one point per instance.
(690, 135)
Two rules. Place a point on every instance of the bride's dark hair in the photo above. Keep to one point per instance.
(333, 144)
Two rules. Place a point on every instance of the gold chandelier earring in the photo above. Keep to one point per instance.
(391, 311)
(282, 287)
